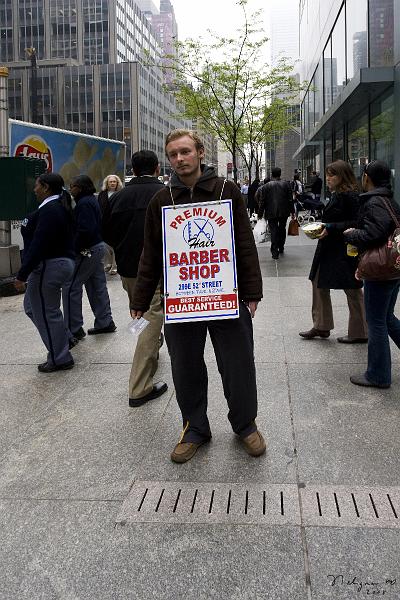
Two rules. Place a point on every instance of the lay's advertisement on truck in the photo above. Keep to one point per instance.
(67, 152)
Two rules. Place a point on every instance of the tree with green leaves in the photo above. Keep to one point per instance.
(227, 86)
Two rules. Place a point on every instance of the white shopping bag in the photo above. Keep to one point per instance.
(260, 231)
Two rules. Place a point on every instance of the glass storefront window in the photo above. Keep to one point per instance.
(327, 61)
(381, 33)
(357, 36)
(338, 145)
(382, 129)
(338, 56)
(357, 143)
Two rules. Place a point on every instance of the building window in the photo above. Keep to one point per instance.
(338, 56)
(327, 62)
(356, 36)
(382, 129)
(357, 143)
(381, 33)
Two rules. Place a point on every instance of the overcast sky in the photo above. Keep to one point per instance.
(221, 16)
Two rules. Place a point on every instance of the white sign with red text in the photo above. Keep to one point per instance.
(200, 281)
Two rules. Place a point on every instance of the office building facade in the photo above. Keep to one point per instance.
(284, 43)
(350, 53)
(93, 73)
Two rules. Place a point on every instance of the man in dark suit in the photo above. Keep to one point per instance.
(276, 204)
(123, 229)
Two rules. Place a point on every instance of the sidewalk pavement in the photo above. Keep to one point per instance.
(317, 517)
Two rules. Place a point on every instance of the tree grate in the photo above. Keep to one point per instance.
(350, 507)
(286, 504)
(210, 503)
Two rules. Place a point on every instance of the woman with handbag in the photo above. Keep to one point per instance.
(332, 267)
(375, 224)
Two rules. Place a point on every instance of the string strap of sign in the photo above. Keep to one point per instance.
(172, 197)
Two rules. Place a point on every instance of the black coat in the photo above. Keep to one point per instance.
(336, 269)
(276, 200)
(123, 222)
(87, 223)
(103, 199)
(374, 223)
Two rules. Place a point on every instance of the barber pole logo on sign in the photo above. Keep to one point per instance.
(200, 281)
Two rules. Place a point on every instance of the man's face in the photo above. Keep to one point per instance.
(185, 159)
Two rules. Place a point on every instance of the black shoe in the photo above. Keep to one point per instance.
(109, 329)
(80, 334)
(46, 368)
(312, 333)
(158, 390)
(275, 256)
(72, 342)
(363, 381)
(349, 340)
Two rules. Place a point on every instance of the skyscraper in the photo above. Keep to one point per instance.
(93, 75)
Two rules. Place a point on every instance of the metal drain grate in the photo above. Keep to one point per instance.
(323, 506)
(340, 506)
(150, 501)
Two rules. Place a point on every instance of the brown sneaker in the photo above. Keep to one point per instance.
(254, 444)
(184, 451)
(312, 333)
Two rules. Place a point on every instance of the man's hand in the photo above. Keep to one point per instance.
(19, 285)
(252, 306)
(349, 230)
(136, 314)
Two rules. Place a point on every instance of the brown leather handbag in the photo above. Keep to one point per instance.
(382, 263)
(293, 227)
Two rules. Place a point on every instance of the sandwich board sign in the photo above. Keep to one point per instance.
(199, 262)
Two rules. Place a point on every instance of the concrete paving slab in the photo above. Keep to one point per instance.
(224, 459)
(87, 446)
(221, 562)
(354, 563)
(344, 434)
(67, 550)
(27, 396)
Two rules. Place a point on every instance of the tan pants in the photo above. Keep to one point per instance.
(322, 314)
(145, 358)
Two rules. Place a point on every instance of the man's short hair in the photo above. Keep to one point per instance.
(276, 172)
(144, 162)
(175, 134)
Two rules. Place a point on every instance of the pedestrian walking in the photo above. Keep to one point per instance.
(251, 202)
(232, 338)
(123, 229)
(297, 190)
(332, 267)
(47, 265)
(276, 204)
(111, 184)
(245, 191)
(89, 269)
(316, 186)
(373, 227)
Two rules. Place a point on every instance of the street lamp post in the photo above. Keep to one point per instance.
(31, 52)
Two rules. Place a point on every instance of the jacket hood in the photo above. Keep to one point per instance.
(206, 174)
(380, 191)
